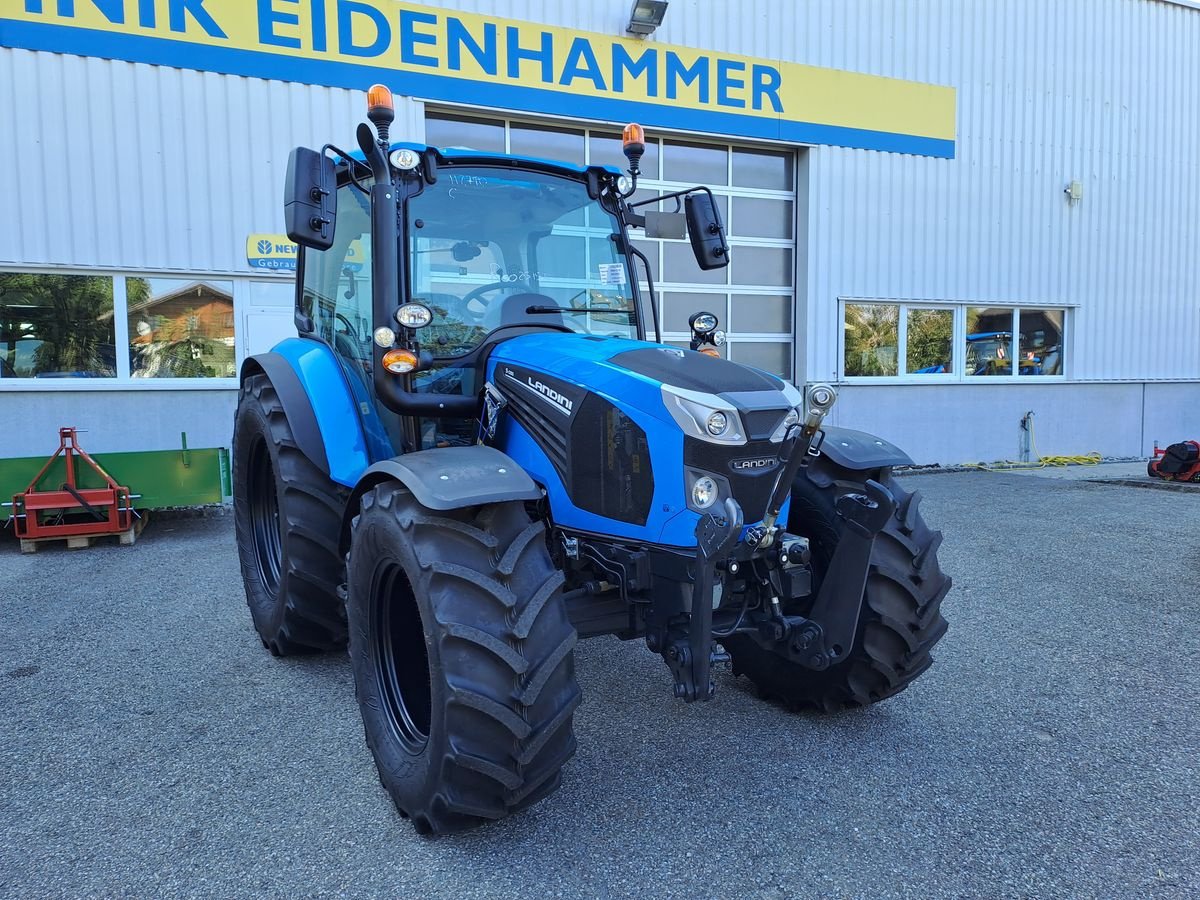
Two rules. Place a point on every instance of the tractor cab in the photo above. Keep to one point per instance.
(486, 247)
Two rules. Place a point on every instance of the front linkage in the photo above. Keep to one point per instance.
(771, 567)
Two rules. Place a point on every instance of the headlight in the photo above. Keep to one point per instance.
(414, 315)
(701, 415)
(385, 337)
(704, 492)
(792, 418)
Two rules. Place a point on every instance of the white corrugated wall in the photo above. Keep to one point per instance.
(128, 166)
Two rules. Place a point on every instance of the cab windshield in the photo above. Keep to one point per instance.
(491, 247)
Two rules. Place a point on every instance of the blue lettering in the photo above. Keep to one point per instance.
(146, 17)
(319, 28)
(269, 17)
(410, 37)
(517, 53)
(176, 10)
(458, 37)
(347, 9)
(113, 10)
(726, 82)
(766, 82)
(678, 74)
(646, 64)
(581, 51)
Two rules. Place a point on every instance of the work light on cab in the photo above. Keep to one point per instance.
(414, 315)
(404, 159)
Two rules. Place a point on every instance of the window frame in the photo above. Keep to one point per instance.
(123, 380)
(958, 374)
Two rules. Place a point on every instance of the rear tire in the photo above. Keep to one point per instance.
(462, 656)
(288, 517)
(900, 619)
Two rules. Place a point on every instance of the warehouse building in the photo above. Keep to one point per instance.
(958, 212)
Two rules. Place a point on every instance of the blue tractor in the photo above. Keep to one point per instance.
(471, 456)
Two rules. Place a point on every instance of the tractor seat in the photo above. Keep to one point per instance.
(512, 310)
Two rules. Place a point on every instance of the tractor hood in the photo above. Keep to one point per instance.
(618, 430)
(633, 374)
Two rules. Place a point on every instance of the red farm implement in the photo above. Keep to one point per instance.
(1179, 462)
(71, 512)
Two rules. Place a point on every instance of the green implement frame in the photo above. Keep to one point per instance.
(159, 479)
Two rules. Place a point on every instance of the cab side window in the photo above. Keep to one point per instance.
(337, 283)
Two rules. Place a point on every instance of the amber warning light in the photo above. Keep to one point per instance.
(381, 109)
(379, 97)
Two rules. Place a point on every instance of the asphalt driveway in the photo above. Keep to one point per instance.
(149, 746)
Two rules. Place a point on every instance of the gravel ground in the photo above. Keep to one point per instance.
(150, 747)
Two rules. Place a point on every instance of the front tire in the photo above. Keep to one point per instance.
(900, 620)
(288, 518)
(462, 656)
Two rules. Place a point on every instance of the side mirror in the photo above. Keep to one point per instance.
(309, 198)
(705, 230)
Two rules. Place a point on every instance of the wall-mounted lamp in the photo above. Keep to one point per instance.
(645, 16)
(1074, 192)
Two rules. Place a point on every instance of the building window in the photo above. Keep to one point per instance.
(872, 339)
(179, 328)
(56, 326)
(124, 328)
(921, 341)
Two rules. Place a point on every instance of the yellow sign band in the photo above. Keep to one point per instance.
(437, 54)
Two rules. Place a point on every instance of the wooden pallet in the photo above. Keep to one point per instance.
(126, 538)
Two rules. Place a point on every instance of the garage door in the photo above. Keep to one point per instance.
(755, 188)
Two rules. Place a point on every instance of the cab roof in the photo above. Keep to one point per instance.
(467, 155)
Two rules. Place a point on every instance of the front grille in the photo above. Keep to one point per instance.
(750, 480)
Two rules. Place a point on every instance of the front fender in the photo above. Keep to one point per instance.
(861, 452)
(447, 478)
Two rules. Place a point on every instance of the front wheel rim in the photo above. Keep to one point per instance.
(400, 658)
(264, 518)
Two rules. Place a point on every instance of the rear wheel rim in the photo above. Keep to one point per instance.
(401, 658)
(264, 518)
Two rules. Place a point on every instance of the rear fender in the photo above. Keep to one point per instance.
(319, 406)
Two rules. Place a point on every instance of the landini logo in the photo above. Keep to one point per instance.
(756, 464)
(564, 403)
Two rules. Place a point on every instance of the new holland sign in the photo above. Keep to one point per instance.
(483, 60)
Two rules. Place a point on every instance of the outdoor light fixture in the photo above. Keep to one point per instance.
(645, 16)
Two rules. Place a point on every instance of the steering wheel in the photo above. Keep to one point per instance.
(480, 308)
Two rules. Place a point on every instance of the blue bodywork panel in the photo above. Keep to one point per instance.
(584, 361)
(355, 439)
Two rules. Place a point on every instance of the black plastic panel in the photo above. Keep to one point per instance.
(611, 474)
(695, 371)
